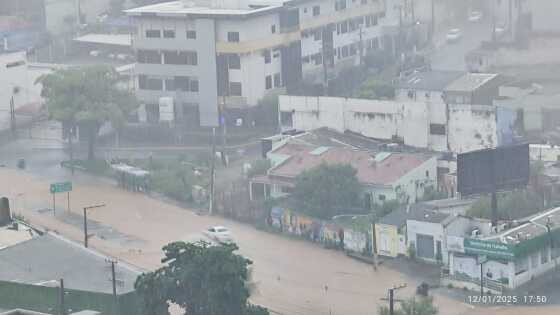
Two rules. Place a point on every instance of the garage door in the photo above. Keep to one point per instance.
(425, 246)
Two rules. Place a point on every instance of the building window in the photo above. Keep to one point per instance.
(317, 35)
(168, 33)
(152, 113)
(235, 89)
(521, 265)
(277, 80)
(273, 29)
(382, 197)
(153, 33)
(437, 129)
(182, 83)
(353, 49)
(268, 82)
(339, 5)
(233, 37)
(316, 10)
(286, 189)
(148, 56)
(194, 85)
(170, 84)
(363, 2)
(344, 27)
(148, 83)
(544, 256)
(266, 55)
(374, 20)
(344, 51)
(191, 34)
(318, 59)
(375, 43)
(180, 58)
(234, 61)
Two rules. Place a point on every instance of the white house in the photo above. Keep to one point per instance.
(460, 128)
(384, 176)
(232, 53)
(514, 253)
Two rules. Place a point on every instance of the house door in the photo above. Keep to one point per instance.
(384, 241)
(425, 246)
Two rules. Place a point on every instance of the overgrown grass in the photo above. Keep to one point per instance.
(97, 167)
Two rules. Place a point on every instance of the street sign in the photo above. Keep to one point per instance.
(481, 259)
(61, 187)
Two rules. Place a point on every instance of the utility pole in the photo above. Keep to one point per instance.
(212, 172)
(86, 236)
(114, 281)
(373, 249)
(433, 24)
(12, 116)
(392, 297)
(361, 44)
(62, 306)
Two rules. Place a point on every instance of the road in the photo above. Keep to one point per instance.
(292, 276)
(451, 56)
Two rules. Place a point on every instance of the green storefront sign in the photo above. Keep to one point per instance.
(61, 187)
(490, 249)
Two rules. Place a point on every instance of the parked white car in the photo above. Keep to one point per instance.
(454, 35)
(220, 234)
(475, 16)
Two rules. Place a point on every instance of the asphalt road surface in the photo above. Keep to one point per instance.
(291, 276)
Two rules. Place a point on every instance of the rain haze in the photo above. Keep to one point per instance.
(279, 157)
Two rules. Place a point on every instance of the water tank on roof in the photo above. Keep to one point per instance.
(5, 216)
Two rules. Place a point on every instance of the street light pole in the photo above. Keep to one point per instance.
(85, 222)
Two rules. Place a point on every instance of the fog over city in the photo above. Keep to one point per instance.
(280, 157)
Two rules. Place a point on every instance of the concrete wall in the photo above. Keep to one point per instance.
(413, 184)
(387, 240)
(471, 127)
(372, 118)
(205, 70)
(545, 16)
(414, 227)
(12, 77)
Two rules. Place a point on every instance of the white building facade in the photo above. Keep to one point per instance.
(207, 54)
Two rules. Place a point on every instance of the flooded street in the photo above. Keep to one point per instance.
(292, 276)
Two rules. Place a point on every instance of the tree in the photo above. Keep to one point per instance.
(87, 97)
(376, 89)
(328, 190)
(420, 306)
(412, 306)
(202, 279)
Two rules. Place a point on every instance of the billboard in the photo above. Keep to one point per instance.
(490, 170)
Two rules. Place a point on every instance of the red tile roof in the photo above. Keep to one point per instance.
(383, 172)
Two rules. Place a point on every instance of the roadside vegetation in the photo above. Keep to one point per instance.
(202, 279)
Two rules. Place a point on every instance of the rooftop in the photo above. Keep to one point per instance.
(470, 82)
(106, 39)
(13, 234)
(534, 227)
(429, 80)
(81, 268)
(205, 8)
(373, 168)
(434, 211)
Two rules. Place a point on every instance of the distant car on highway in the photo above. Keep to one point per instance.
(475, 16)
(220, 234)
(499, 30)
(454, 35)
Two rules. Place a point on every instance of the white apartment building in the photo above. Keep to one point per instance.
(205, 53)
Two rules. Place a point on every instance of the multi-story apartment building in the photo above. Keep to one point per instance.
(206, 53)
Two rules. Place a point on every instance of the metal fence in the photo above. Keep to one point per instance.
(47, 299)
